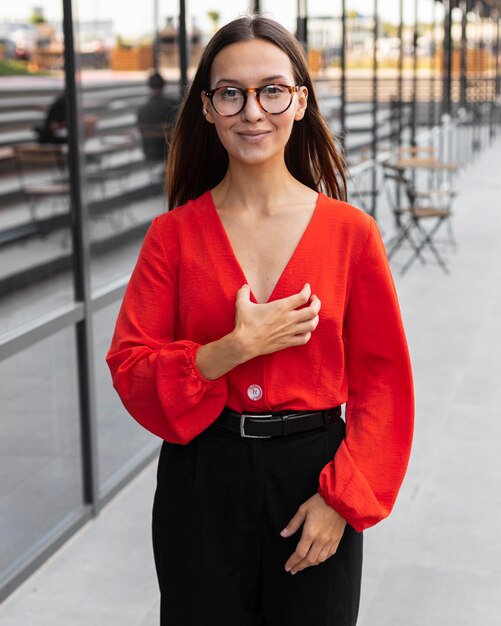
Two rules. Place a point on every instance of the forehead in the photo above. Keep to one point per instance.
(249, 62)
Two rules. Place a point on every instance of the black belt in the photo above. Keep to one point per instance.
(264, 425)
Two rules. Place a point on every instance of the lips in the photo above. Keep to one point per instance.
(253, 136)
(253, 133)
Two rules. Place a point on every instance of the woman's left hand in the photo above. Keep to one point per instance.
(322, 532)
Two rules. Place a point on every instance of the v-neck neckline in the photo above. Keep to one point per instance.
(236, 262)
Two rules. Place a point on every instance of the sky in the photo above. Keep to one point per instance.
(133, 19)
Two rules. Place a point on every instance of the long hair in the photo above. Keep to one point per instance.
(198, 161)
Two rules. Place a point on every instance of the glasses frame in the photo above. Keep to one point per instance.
(257, 90)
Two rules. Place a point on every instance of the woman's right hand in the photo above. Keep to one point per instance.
(260, 329)
(265, 328)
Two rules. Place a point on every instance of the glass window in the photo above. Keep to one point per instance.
(125, 144)
(120, 438)
(40, 456)
(35, 247)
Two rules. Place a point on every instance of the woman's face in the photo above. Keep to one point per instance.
(254, 136)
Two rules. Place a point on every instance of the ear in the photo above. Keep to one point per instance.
(302, 103)
(206, 108)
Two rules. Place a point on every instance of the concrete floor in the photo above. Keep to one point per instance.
(437, 560)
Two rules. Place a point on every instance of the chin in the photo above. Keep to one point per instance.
(255, 157)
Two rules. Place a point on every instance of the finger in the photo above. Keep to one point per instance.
(299, 340)
(312, 556)
(298, 555)
(306, 313)
(302, 565)
(243, 294)
(294, 523)
(306, 291)
(303, 315)
(306, 327)
(315, 303)
(327, 551)
(298, 299)
(319, 552)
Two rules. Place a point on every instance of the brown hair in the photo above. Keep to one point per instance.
(198, 161)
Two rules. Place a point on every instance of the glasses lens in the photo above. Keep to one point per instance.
(227, 100)
(275, 98)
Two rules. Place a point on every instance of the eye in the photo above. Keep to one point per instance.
(271, 91)
(229, 93)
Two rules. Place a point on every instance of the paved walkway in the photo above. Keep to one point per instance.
(437, 560)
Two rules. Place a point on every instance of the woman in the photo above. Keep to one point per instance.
(258, 306)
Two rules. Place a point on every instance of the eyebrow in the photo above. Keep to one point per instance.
(267, 79)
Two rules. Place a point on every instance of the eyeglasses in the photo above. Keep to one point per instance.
(274, 99)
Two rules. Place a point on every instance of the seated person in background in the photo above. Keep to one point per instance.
(54, 127)
(154, 120)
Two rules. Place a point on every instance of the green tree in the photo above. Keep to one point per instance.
(389, 29)
(37, 16)
(214, 18)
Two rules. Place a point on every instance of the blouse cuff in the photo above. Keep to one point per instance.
(191, 353)
(343, 487)
(191, 401)
(184, 352)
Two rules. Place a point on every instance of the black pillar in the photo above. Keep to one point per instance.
(342, 113)
(374, 109)
(483, 78)
(433, 64)
(495, 105)
(183, 47)
(414, 74)
(482, 48)
(447, 59)
(81, 263)
(463, 87)
(497, 52)
(302, 23)
(255, 6)
(155, 35)
(476, 96)
(400, 84)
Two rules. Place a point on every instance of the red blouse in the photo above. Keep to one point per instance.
(182, 295)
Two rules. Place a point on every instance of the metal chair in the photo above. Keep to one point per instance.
(411, 208)
(41, 171)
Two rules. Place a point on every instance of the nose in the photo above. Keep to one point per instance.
(252, 110)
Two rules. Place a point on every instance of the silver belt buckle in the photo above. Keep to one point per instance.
(242, 426)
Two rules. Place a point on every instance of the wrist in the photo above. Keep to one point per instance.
(240, 348)
(219, 357)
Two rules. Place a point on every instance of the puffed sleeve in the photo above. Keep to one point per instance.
(156, 377)
(363, 480)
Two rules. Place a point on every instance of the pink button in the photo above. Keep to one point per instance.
(255, 392)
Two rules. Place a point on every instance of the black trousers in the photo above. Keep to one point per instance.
(220, 504)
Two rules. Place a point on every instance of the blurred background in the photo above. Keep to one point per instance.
(410, 90)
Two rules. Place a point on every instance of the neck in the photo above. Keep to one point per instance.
(255, 187)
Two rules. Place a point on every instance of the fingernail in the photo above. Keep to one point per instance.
(284, 532)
